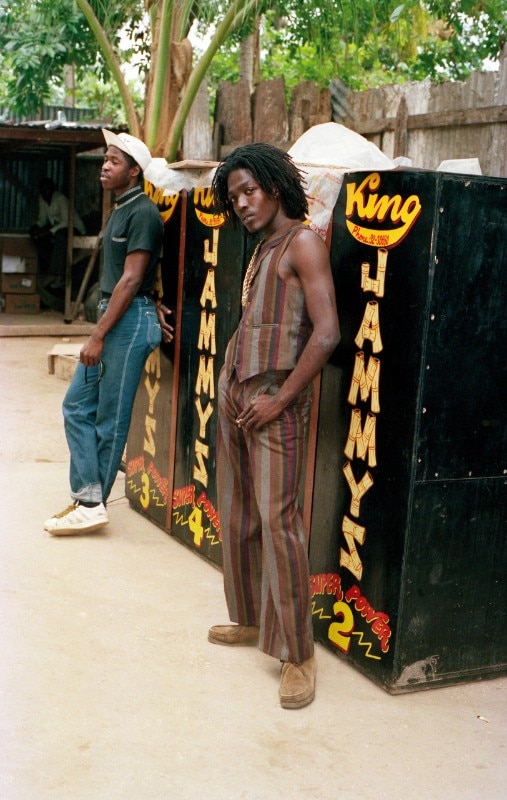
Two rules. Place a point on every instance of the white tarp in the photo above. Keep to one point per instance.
(324, 153)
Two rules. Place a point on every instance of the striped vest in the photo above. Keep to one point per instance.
(275, 326)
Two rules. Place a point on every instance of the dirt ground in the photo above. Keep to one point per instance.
(110, 691)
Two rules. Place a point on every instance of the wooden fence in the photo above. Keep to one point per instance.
(425, 122)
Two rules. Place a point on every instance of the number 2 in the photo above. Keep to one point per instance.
(339, 632)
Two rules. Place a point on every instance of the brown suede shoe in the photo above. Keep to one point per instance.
(297, 684)
(234, 634)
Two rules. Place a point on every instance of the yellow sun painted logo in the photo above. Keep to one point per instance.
(365, 205)
(209, 219)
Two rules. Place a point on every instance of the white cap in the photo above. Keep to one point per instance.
(129, 144)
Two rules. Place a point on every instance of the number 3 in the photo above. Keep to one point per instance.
(145, 492)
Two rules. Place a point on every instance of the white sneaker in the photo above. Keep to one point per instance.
(77, 519)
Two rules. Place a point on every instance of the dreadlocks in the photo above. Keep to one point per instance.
(272, 168)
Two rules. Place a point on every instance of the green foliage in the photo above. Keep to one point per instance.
(39, 38)
(101, 96)
(474, 33)
(368, 44)
(34, 42)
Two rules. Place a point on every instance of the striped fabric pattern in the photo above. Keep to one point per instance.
(265, 559)
(275, 326)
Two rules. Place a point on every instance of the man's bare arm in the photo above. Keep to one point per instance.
(306, 263)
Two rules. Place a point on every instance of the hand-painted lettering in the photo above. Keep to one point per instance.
(211, 255)
(326, 583)
(184, 496)
(150, 426)
(209, 294)
(204, 415)
(364, 203)
(206, 341)
(370, 327)
(365, 382)
(205, 381)
(361, 441)
(377, 284)
(152, 390)
(379, 627)
(350, 560)
(201, 452)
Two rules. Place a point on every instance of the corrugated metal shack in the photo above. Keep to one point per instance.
(67, 149)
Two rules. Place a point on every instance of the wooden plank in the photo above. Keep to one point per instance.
(309, 106)
(39, 135)
(401, 130)
(271, 123)
(83, 242)
(233, 118)
(437, 119)
(197, 134)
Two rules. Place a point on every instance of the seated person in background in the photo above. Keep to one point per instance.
(49, 234)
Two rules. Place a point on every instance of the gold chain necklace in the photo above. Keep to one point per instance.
(247, 282)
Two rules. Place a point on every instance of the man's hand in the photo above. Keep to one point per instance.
(167, 330)
(263, 409)
(91, 351)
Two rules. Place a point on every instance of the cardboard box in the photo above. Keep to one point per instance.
(18, 255)
(18, 283)
(18, 246)
(19, 303)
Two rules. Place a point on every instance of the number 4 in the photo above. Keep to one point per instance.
(195, 525)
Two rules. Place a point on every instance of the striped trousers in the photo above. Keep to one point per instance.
(265, 555)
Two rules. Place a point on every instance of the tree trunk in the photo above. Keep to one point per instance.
(171, 64)
(69, 78)
(249, 58)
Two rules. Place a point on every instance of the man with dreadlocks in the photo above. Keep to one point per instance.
(287, 332)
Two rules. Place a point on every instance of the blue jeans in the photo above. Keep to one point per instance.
(97, 408)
